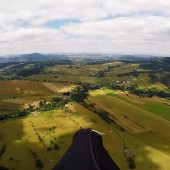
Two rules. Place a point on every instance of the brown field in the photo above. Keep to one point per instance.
(8, 108)
(18, 87)
(50, 86)
(67, 88)
(21, 101)
(18, 101)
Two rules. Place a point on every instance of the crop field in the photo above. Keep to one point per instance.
(133, 112)
(17, 87)
(118, 117)
(58, 87)
(51, 86)
(8, 108)
(18, 101)
(155, 105)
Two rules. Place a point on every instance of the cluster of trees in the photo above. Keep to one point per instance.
(28, 72)
(102, 73)
(14, 115)
(156, 64)
(22, 69)
(165, 79)
(78, 94)
(55, 103)
(153, 78)
(115, 86)
(103, 114)
(150, 93)
(140, 92)
(81, 93)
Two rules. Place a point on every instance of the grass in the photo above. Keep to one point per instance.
(158, 109)
(135, 113)
(19, 135)
(152, 147)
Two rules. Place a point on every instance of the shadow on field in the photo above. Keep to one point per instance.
(145, 161)
(33, 151)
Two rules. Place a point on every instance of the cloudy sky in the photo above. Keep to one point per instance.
(106, 26)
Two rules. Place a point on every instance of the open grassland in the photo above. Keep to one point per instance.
(57, 127)
(159, 106)
(118, 117)
(162, 110)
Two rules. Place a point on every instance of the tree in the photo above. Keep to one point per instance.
(132, 164)
(56, 147)
(79, 95)
(38, 164)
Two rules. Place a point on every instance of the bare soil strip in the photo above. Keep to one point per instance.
(50, 86)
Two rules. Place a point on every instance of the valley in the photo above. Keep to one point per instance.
(43, 102)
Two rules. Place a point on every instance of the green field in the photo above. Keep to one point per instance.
(158, 109)
(138, 122)
(21, 135)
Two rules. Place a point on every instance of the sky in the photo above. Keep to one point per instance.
(93, 26)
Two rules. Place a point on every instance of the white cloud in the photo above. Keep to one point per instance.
(140, 26)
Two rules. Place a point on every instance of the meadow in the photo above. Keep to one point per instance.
(58, 127)
(138, 122)
(20, 136)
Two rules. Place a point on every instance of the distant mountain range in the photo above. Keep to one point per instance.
(39, 56)
(32, 57)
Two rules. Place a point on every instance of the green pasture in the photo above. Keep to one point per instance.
(20, 136)
(135, 112)
(158, 109)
